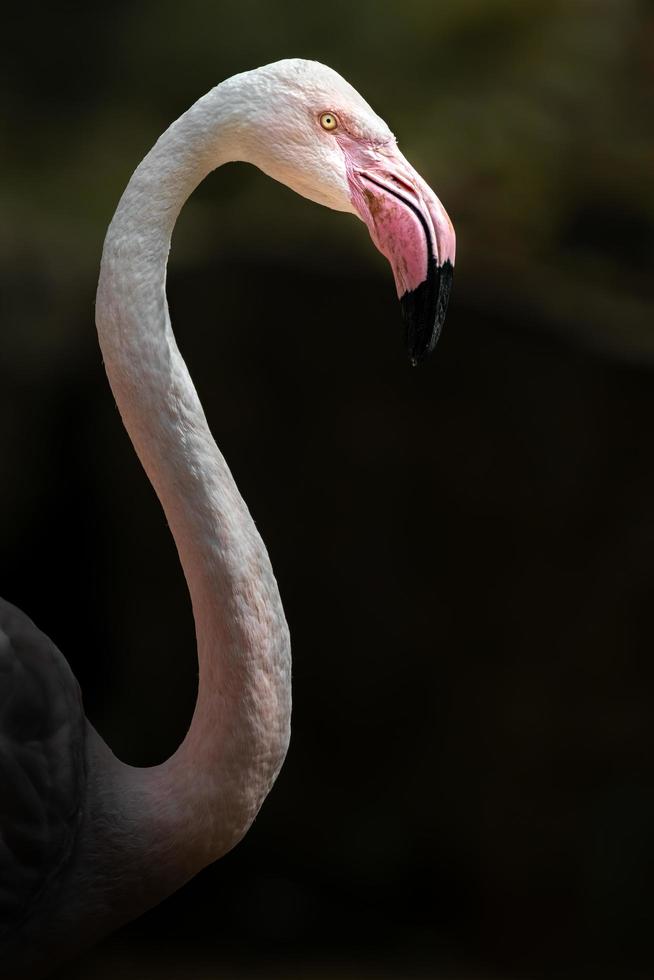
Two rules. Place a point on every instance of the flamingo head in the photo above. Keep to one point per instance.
(305, 126)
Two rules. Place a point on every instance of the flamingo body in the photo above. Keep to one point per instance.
(42, 766)
(88, 842)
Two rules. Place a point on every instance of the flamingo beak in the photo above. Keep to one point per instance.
(410, 226)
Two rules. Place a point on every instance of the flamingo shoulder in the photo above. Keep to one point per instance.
(42, 767)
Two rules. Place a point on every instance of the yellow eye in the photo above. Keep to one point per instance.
(328, 120)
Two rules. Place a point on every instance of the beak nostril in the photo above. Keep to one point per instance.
(405, 185)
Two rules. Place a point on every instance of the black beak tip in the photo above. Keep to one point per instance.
(424, 309)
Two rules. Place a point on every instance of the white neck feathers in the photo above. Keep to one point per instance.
(214, 784)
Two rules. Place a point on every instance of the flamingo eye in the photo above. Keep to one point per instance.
(328, 120)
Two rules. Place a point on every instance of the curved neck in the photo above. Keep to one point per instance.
(211, 789)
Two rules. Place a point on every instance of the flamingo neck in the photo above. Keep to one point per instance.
(209, 791)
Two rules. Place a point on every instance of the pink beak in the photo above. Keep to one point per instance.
(410, 226)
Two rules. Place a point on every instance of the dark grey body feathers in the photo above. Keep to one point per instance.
(42, 769)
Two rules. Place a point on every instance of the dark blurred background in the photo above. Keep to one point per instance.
(464, 550)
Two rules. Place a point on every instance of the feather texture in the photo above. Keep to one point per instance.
(42, 770)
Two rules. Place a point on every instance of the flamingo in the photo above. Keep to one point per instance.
(87, 842)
